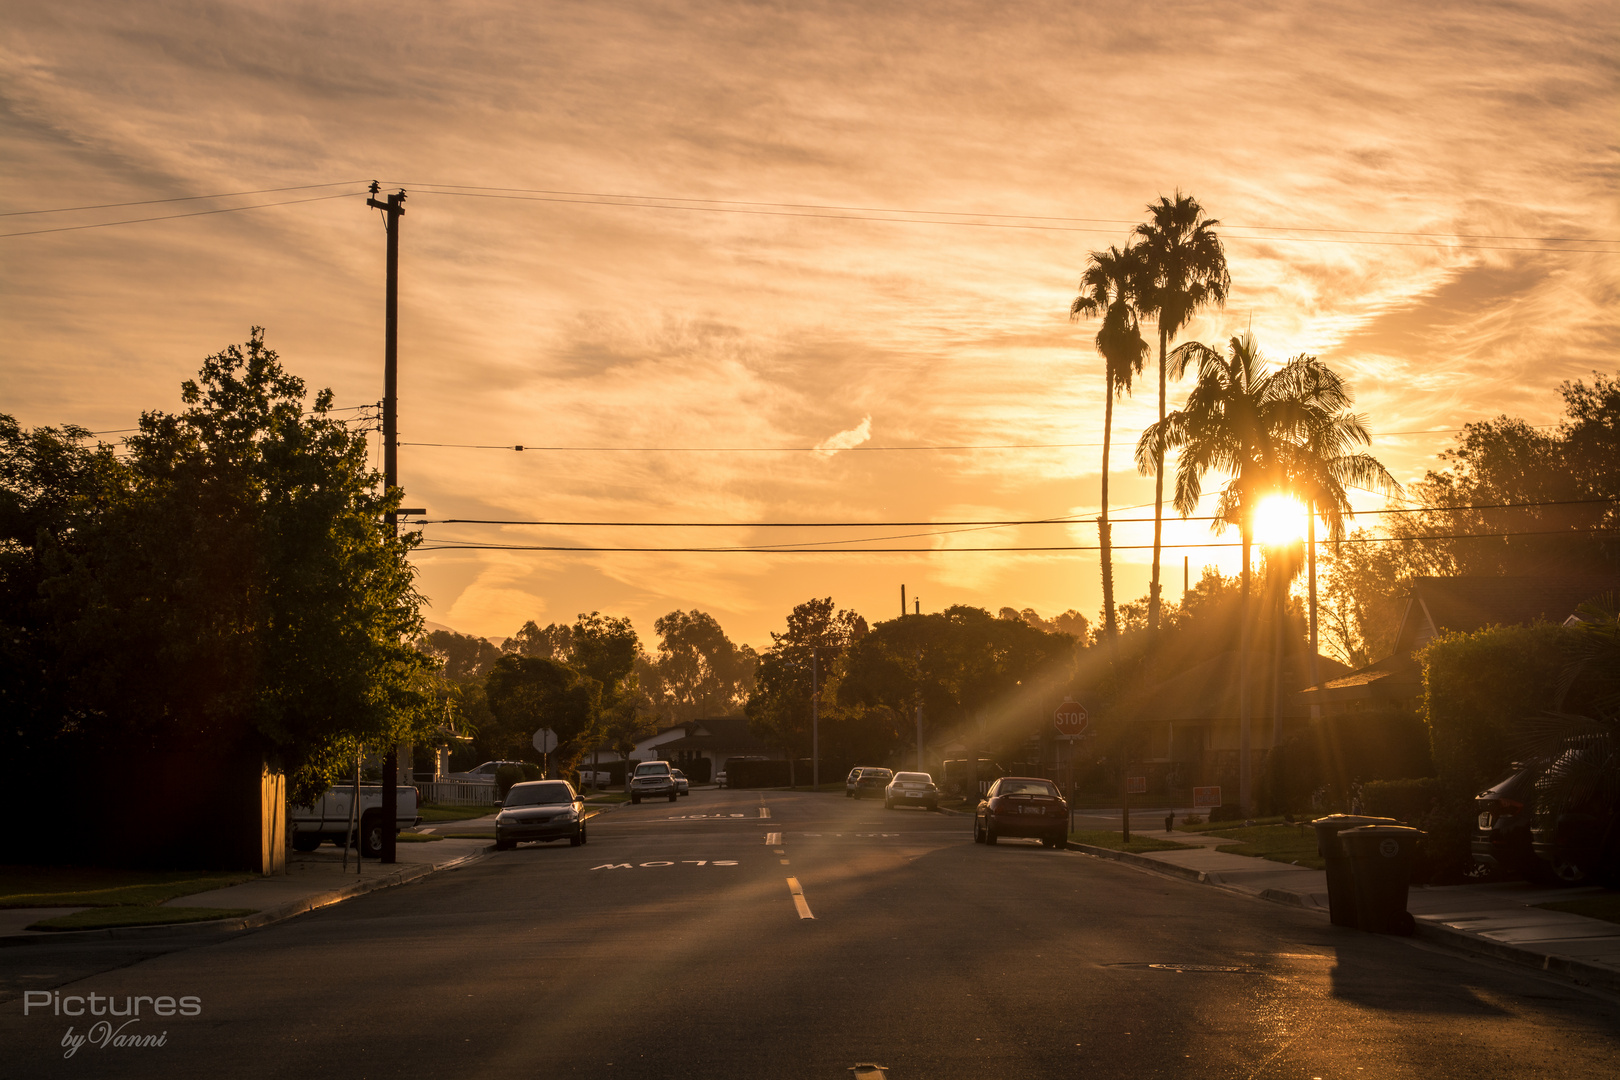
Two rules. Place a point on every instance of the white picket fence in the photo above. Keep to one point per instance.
(457, 792)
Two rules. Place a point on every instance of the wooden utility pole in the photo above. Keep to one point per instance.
(392, 210)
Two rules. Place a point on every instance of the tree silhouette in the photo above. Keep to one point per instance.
(1185, 269)
(1107, 288)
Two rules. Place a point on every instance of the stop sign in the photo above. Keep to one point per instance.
(1072, 718)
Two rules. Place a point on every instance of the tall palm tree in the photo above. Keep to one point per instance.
(1185, 270)
(1259, 428)
(1108, 288)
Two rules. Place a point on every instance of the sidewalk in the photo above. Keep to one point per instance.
(1497, 920)
(313, 879)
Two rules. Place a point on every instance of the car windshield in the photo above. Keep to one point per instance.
(555, 791)
(1028, 787)
(913, 778)
(652, 770)
(881, 774)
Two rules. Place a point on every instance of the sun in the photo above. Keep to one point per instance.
(1279, 520)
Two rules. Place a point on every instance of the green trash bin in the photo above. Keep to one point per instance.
(1381, 859)
(1341, 888)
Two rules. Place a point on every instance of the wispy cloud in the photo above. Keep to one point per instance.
(844, 440)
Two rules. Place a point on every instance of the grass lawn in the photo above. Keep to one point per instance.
(1222, 827)
(608, 797)
(103, 918)
(1605, 907)
(1277, 842)
(435, 812)
(89, 886)
(1115, 841)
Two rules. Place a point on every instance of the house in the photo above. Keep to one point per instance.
(701, 748)
(1437, 605)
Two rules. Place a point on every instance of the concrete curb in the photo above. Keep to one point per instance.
(1569, 967)
(222, 927)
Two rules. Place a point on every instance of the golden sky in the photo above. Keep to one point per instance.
(1378, 169)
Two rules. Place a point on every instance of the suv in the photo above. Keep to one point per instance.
(652, 778)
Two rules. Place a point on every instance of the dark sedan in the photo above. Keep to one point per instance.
(1022, 806)
(1502, 841)
(872, 783)
(540, 810)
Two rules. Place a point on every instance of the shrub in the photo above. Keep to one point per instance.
(1409, 801)
(1229, 812)
(505, 777)
(752, 773)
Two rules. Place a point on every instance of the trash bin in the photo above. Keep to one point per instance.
(1381, 858)
(1341, 888)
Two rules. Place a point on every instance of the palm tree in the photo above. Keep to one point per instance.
(1185, 269)
(1269, 432)
(1107, 288)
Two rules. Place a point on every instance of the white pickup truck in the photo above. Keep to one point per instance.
(330, 818)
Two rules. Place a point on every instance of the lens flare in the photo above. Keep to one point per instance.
(1279, 520)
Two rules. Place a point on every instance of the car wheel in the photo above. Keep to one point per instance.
(978, 833)
(502, 845)
(848, 794)
(932, 807)
(1569, 872)
(674, 795)
(577, 839)
(583, 838)
(989, 832)
(635, 800)
(888, 804)
(306, 841)
(371, 835)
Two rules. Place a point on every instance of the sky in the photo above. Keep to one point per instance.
(722, 254)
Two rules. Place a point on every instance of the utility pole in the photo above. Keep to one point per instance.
(392, 210)
(815, 719)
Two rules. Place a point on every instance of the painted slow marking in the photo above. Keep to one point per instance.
(797, 893)
(772, 839)
(659, 863)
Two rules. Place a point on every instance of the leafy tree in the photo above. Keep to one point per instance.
(1184, 270)
(555, 641)
(464, 657)
(605, 649)
(699, 671)
(237, 589)
(1572, 471)
(779, 708)
(1108, 288)
(527, 693)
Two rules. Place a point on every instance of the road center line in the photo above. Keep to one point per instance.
(797, 893)
(773, 839)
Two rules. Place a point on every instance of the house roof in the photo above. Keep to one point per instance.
(1437, 605)
(723, 734)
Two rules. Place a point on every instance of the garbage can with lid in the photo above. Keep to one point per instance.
(1381, 858)
(1341, 889)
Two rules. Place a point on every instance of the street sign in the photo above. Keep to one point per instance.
(1204, 797)
(1072, 719)
(1136, 785)
(545, 740)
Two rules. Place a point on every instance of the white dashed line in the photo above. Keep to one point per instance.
(773, 839)
(798, 898)
(764, 811)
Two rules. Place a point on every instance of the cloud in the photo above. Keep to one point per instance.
(844, 440)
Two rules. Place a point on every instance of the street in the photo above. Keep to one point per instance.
(673, 944)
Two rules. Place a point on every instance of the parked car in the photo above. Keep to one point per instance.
(540, 810)
(720, 778)
(683, 786)
(849, 782)
(1022, 806)
(652, 779)
(329, 818)
(1502, 841)
(911, 789)
(1576, 834)
(870, 782)
(484, 773)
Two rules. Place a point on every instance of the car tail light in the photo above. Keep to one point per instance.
(1508, 806)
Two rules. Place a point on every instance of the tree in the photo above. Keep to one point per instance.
(1184, 270)
(464, 657)
(238, 591)
(790, 672)
(1266, 431)
(1568, 477)
(1108, 287)
(699, 671)
(555, 641)
(527, 693)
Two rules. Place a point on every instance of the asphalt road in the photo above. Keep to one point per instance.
(671, 945)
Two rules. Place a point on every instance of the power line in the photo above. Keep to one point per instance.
(172, 217)
(673, 202)
(450, 545)
(668, 204)
(529, 448)
(178, 198)
(1085, 519)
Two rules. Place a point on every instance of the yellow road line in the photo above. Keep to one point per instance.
(797, 893)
